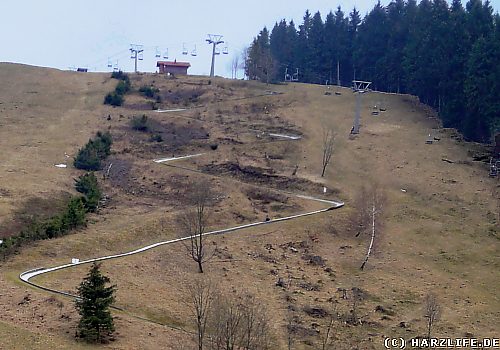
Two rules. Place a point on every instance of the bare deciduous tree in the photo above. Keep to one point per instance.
(201, 298)
(194, 222)
(255, 326)
(368, 217)
(235, 66)
(239, 322)
(327, 148)
(226, 330)
(432, 311)
(327, 338)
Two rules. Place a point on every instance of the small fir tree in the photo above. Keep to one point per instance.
(96, 323)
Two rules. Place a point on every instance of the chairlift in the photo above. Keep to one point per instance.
(141, 56)
(133, 54)
(295, 76)
(109, 63)
(157, 53)
(165, 54)
(217, 51)
(225, 50)
(193, 53)
(288, 77)
(184, 49)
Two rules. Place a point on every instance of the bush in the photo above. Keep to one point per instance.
(148, 91)
(122, 87)
(120, 75)
(156, 138)
(214, 146)
(114, 99)
(88, 185)
(90, 156)
(140, 123)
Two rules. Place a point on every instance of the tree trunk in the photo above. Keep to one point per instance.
(372, 239)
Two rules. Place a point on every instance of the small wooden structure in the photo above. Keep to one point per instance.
(174, 68)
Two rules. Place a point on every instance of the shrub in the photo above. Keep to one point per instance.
(140, 123)
(114, 99)
(88, 185)
(148, 91)
(74, 215)
(120, 75)
(156, 138)
(122, 87)
(214, 146)
(90, 156)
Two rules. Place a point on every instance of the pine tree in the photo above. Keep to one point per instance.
(96, 323)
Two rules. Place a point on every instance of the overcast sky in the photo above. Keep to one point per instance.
(93, 33)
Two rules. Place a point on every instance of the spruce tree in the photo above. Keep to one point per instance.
(96, 323)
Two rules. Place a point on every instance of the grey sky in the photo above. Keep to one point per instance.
(86, 33)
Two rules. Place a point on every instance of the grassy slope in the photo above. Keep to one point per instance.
(439, 235)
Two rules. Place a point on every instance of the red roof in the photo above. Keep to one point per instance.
(173, 64)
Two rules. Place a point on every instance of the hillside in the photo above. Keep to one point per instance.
(440, 223)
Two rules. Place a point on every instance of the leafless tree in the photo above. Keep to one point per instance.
(368, 217)
(226, 324)
(194, 222)
(201, 299)
(255, 326)
(289, 332)
(432, 311)
(235, 66)
(327, 148)
(327, 339)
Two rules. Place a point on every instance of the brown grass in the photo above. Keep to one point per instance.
(439, 235)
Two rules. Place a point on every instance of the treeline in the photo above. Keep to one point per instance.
(445, 54)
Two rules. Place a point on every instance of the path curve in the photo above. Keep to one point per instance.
(26, 276)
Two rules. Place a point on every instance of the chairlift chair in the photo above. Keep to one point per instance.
(193, 53)
(225, 50)
(217, 51)
(165, 54)
(157, 53)
(109, 63)
(141, 56)
(184, 49)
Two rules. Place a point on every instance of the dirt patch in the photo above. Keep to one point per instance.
(181, 96)
(263, 176)
(159, 137)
